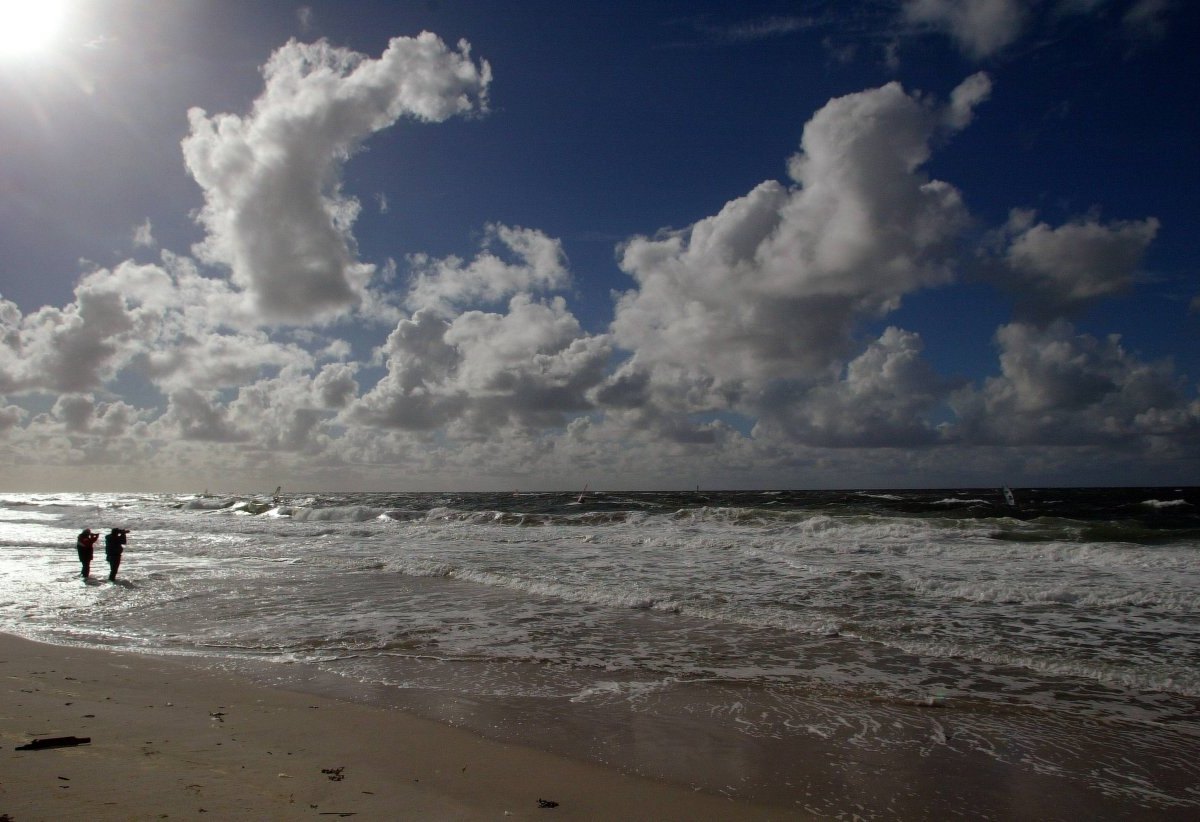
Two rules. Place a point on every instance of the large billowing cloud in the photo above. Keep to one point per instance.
(73, 349)
(442, 284)
(199, 415)
(168, 323)
(1058, 270)
(291, 412)
(82, 414)
(884, 399)
(773, 287)
(274, 209)
(1062, 388)
(456, 367)
(10, 417)
(482, 371)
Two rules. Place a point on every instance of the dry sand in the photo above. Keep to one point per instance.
(169, 741)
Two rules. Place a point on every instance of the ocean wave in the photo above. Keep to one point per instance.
(208, 503)
(1165, 558)
(1160, 678)
(771, 517)
(1003, 593)
(344, 513)
(624, 691)
(1053, 529)
(1171, 503)
(39, 543)
(631, 597)
(634, 598)
(520, 518)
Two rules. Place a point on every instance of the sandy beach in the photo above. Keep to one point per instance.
(169, 741)
(445, 659)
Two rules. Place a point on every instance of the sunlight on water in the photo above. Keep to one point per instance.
(766, 622)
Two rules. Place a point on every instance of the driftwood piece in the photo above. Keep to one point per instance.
(55, 742)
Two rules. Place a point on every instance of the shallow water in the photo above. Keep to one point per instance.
(705, 637)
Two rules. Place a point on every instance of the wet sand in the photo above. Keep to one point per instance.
(168, 740)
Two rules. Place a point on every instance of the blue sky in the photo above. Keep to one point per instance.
(452, 245)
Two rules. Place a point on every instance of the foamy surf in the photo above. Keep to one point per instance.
(749, 618)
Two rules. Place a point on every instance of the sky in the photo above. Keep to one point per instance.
(452, 245)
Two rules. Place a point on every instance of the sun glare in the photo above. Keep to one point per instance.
(29, 26)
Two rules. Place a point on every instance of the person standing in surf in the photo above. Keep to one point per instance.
(114, 546)
(85, 544)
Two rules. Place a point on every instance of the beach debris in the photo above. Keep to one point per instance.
(334, 774)
(547, 803)
(55, 742)
(217, 715)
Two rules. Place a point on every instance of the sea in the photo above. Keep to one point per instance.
(859, 654)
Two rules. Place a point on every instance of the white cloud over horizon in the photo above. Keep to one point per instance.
(747, 344)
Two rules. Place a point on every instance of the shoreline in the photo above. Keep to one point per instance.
(169, 739)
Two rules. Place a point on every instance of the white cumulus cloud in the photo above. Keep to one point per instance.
(773, 286)
(1059, 387)
(1058, 270)
(530, 367)
(537, 264)
(884, 399)
(274, 209)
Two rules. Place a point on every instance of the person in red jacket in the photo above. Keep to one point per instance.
(85, 544)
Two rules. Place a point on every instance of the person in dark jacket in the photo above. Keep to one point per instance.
(114, 546)
(85, 543)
